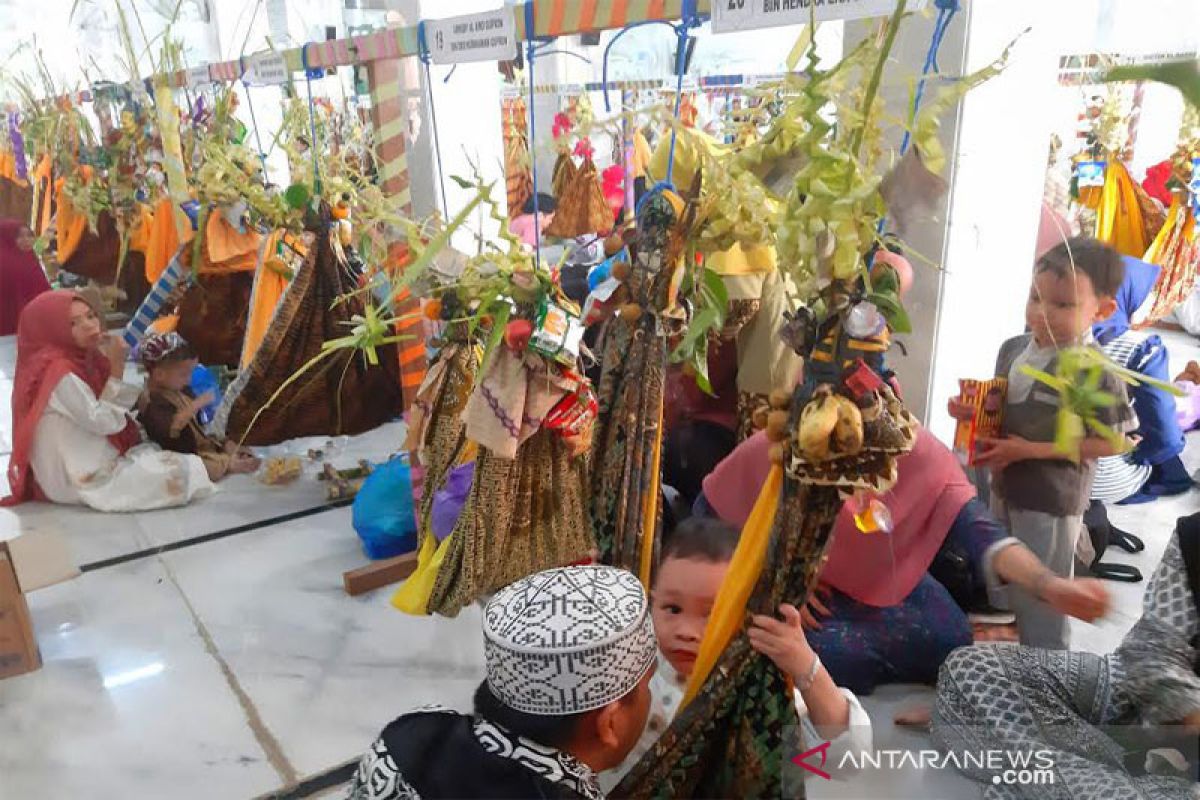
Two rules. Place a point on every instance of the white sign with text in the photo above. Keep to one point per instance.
(490, 36)
(746, 15)
(268, 69)
(198, 76)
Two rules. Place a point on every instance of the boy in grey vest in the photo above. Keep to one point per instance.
(1040, 494)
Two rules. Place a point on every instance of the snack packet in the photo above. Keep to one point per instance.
(987, 398)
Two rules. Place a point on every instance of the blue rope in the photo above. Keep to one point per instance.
(682, 33)
(309, 74)
(423, 54)
(946, 11)
(689, 19)
(530, 53)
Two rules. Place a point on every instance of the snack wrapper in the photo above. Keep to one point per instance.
(574, 416)
(557, 334)
(987, 398)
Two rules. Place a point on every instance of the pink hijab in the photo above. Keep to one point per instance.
(21, 276)
(46, 353)
(879, 569)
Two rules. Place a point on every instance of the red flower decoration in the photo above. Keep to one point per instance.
(1155, 182)
(562, 125)
(584, 149)
(612, 182)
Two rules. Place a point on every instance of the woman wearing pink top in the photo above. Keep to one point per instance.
(890, 606)
(522, 226)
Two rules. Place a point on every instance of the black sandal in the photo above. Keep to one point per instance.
(1125, 540)
(1116, 572)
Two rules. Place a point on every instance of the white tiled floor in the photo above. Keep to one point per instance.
(128, 702)
(238, 667)
(325, 671)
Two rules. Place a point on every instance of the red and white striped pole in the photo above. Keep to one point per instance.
(386, 79)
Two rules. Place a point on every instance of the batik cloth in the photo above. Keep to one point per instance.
(342, 394)
(514, 397)
(750, 406)
(738, 719)
(628, 437)
(1026, 699)
(666, 693)
(435, 433)
(626, 498)
(523, 515)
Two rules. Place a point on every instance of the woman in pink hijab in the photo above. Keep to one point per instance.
(891, 605)
(74, 441)
(21, 276)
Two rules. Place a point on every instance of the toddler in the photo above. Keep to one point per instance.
(694, 562)
(167, 408)
(1037, 492)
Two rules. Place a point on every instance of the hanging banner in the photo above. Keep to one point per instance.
(268, 69)
(747, 15)
(490, 36)
(277, 22)
(198, 76)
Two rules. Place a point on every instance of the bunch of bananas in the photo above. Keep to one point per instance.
(831, 426)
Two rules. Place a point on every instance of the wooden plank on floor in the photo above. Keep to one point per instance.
(378, 574)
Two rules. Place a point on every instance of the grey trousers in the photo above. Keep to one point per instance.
(1052, 539)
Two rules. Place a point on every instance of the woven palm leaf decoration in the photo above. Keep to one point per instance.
(564, 175)
(582, 208)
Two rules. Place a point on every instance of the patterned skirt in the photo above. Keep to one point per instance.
(443, 440)
(522, 515)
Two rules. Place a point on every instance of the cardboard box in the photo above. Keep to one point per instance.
(18, 647)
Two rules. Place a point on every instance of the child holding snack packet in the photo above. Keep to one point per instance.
(1037, 491)
(167, 408)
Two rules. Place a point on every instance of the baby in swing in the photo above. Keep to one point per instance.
(168, 407)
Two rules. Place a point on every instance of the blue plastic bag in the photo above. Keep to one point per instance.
(203, 380)
(382, 513)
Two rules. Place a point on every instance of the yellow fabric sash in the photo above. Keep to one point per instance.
(729, 611)
(650, 506)
(162, 239)
(71, 225)
(1119, 217)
